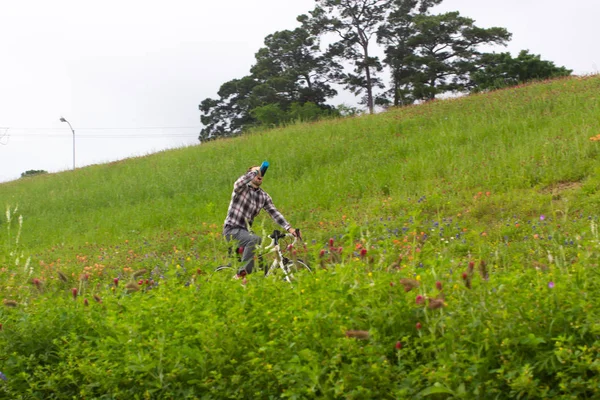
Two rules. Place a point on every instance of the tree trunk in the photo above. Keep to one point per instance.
(369, 90)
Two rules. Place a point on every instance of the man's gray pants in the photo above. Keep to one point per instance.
(246, 240)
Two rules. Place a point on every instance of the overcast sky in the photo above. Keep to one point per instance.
(129, 74)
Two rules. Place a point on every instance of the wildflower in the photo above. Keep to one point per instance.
(331, 242)
(467, 279)
(132, 287)
(483, 270)
(542, 217)
(398, 345)
(141, 282)
(392, 284)
(37, 283)
(551, 285)
(3, 377)
(438, 285)
(62, 276)
(418, 326)
(322, 253)
(139, 273)
(86, 302)
(471, 266)
(420, 299)
(436, 303)
(116, 281)
(363, 252)
(362, 335)
(74, 292)
(409, 284)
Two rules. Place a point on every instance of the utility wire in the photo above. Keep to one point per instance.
(107, 128)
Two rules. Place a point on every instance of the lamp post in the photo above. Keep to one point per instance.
(72, 130)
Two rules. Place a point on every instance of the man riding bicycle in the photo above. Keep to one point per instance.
(247, 200)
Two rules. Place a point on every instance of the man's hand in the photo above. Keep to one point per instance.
(256, 169)
(294, 232)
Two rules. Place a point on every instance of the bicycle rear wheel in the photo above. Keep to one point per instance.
(224, 268)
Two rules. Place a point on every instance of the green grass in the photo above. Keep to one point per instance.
(506, 180)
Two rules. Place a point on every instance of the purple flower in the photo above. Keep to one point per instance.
(551, 285)
(542, 217)
(3, 377)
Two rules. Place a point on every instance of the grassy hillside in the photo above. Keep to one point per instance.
(490, 199)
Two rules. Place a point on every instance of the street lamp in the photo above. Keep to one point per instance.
(72, 130)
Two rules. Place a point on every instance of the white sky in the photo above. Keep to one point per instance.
(140, 68)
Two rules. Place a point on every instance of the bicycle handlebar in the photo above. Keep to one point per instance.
(276, 235)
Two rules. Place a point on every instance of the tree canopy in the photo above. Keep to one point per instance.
(426, 55)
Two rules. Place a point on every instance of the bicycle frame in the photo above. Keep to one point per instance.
(275, 247)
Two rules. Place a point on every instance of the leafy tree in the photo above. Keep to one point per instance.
(498, 70)
(433, 54)
(289, 70)
(447, 48)
(270, 115)
(33, 172)
(292, 64)
(396, 35)
(231, 112)
(355, 22)
(274, 115)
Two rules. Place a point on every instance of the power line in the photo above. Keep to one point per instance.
(146, 135)
(29, 132)
(106, 128)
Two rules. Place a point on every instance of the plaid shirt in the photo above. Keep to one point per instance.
(246, 203)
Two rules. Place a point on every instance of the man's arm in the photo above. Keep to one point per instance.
(276, 215)
(244, 180)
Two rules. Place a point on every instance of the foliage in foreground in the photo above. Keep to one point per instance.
(475, 278)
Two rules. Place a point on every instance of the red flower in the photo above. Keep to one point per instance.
(392, 284)
(331, 242)
(420, 299)
(418, 326)
(74, 292)
(116, 281)
(141, 282)
(398, 345)
(363, 252)
(464, 276)
(438, 285)
(321, 253)
(85, 302)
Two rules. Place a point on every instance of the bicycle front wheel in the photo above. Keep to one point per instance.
(297, 266)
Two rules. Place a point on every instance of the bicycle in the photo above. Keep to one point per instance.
(288, 265)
